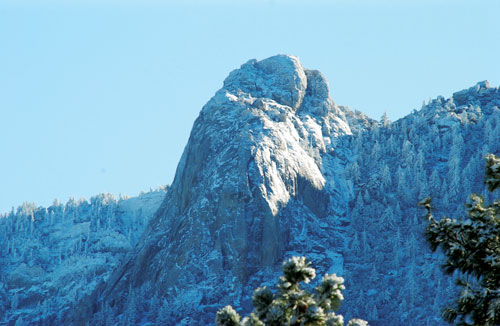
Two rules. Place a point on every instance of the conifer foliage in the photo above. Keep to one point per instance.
(292, 305)
(472, 247)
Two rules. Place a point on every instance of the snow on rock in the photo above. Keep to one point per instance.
(249, 180)
(273, 168)
(280, 78)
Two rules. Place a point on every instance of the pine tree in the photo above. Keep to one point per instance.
(384, 120)
(472, 247)
(385, 177)
(292, 305)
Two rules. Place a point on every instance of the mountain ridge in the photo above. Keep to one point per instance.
(274, 168)
(55, 256)
(233, 217)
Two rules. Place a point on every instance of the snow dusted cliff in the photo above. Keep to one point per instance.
(274, 168)
(249, 185)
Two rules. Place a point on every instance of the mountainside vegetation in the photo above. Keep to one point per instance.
(54, 257)
(472, 248)
(273, 169)
(434, 151)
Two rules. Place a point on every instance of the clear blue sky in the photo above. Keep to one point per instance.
(100, 96)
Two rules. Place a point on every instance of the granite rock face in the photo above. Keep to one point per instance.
(279, 78)
(483, 89)
(255, 154)
(274, 168)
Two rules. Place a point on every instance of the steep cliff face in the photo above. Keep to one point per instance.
(274, 168)
(257, 153)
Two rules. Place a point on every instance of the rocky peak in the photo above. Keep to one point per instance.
(256, 153)
(274, 167)
(317, 85)
(280, 78)
(479, 94)
(465, 106)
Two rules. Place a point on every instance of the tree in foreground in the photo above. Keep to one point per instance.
(291, 305)
(472, 247)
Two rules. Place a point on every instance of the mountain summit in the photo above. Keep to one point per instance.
(274, 168)
(253, 157)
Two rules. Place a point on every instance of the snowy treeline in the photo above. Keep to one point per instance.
(391, 276)
(142, 307)
(56, 256)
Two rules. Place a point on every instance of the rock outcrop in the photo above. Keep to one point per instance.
(275, 168)
(255, 154)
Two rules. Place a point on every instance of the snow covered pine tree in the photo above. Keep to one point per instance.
(292, 305)
(472, 247)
